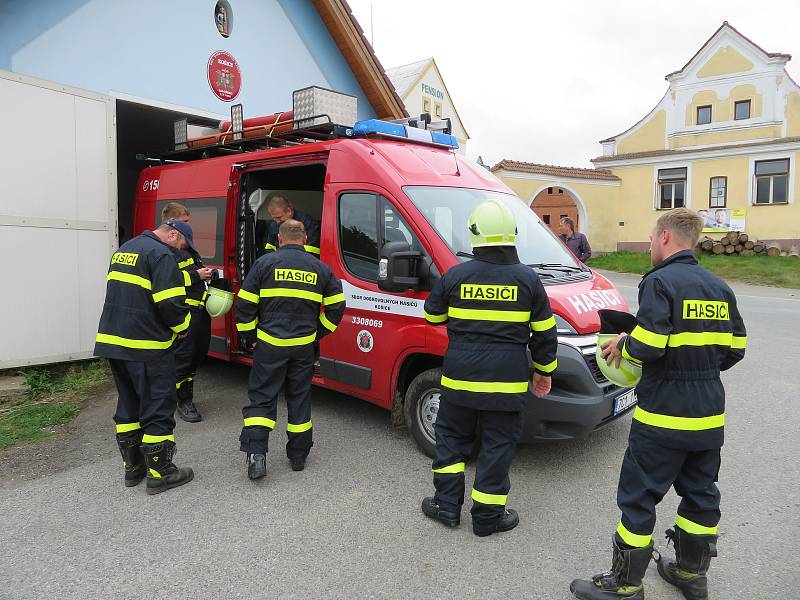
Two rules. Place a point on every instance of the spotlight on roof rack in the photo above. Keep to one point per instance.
(237, 121)
(399, 130)
(318, 106)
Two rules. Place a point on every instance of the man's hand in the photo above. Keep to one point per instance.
(611, 352)
(541, 385)
(205, 273)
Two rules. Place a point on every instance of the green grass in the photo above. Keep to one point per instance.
(55, 396)
(778, 271)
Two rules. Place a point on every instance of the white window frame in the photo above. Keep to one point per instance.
(711, 189)
(687, 187)
(751, 185)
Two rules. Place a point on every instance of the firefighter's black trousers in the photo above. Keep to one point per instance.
(273, 368)
(191, 351)
(456, 430)
(649, 469)
(146, 394)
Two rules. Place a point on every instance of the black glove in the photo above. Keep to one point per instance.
(247, 342)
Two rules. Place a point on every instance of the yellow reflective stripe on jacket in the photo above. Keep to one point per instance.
(548, 368)
(435, 318)
(335, 299)
(544, 325)
(656, 340)
(182, 381)
(269, 246)
(259, 422)
(326, 322)
(183, 326)
(129, 278)
(154, 439)
(299, 428)
(249, 296)
(682, 423)
(496, 499)
(249, 326)
(694, 528)
(633, 539)
(298, 341)
(126, 427)
(479, 314)
(193, 302)
(703, 338)
(169, 293)
(311, 249)
(626, 354)
(187, 279)
(115, 340)
(450, 469)
(499, 387)
(739, 342)
(290, 293)
(185, 263)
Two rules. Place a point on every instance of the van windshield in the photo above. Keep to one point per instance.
(447, 210)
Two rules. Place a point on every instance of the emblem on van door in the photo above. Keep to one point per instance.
(364, 341)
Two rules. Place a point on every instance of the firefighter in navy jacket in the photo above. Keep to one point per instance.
(279, 305)
(496, 310)
(281, 209)
(191, 350)
(688, 330)
(144, 312)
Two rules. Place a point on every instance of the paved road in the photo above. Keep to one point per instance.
(350, 527)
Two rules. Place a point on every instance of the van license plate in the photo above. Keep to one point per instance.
(624, 401)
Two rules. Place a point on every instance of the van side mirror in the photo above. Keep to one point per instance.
(397, 269)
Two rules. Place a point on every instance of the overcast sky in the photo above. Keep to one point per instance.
(545, 81)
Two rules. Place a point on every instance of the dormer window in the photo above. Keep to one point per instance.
(703, 115)
(741, 110)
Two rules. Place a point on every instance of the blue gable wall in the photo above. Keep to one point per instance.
(160, 49)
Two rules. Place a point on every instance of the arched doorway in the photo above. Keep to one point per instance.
(553, 203)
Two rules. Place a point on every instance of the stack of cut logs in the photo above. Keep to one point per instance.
(738, 244)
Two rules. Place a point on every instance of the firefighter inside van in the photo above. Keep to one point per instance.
(280, 209)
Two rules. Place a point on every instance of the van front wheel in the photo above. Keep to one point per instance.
(422, 406)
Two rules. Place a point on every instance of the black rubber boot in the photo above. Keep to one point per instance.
(624, 580)
(132, 458)
(256, 466)
(693, 555)
(433, 511)
(298, 465)
(186, 408)
(162, 474)
(507, 522)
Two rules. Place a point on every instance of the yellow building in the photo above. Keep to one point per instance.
(421, 87)
(724, 139)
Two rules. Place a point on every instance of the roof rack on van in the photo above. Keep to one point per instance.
(314, 116)
(250, 139)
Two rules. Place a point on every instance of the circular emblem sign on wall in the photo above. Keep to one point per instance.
(224, 76)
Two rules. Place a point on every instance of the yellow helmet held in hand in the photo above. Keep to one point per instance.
(612, 323)
(492, 224)
(220, 297)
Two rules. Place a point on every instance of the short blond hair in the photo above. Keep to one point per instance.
(173, 210)
(292, 231)
(684, 223)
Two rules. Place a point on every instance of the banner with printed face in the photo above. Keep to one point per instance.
(723, 220)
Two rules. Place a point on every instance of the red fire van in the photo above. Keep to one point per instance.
(393, 202)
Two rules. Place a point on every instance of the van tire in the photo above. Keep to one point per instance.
(422, 393)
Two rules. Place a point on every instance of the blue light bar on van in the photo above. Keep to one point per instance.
(378, 127)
